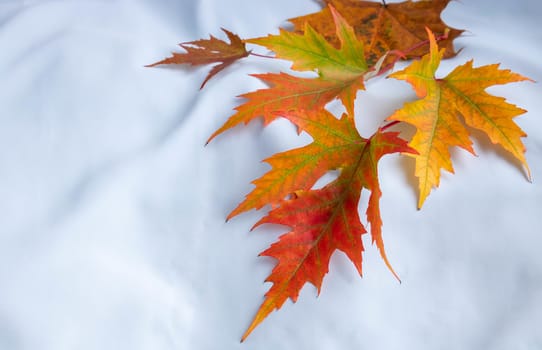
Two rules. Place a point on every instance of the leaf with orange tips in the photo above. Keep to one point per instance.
(325, 220)
(207, 51)
(435, 115)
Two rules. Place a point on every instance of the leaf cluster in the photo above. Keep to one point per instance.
(346, 44)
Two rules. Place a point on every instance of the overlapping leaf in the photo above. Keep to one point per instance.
(436, 114)
(340, 75)
(323, 220)
(207, 51)
(384, 27)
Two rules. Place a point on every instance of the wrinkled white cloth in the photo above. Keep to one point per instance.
(112, 232)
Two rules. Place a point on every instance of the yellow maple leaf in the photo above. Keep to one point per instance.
(436, 115)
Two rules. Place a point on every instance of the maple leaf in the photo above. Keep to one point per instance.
(289, 92)
(207, 51)
(311, 51)
(341, 74)
(323, 220)
(435, 115)
(384, 27)
(336, 142)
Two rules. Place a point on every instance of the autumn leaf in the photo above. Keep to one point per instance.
(336, 142)
(341, 75)
(435, 115)
(289, 92)
(311, 51)
(322, 220)
(384, 27)
(207, 51)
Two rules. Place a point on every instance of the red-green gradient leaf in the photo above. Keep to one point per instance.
(325, 220)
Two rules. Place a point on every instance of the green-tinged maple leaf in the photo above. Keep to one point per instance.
(207, 51)
(340, 76)
(311, 51)
(436, 114)
(323, 220)
(384, 27)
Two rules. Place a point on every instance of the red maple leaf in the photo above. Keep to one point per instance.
(322, 220)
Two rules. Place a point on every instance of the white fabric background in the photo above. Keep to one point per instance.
(112, 232)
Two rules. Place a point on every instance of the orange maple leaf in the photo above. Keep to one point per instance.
(435, 115)
(341, 74)
(323, 220)
(290, 92)
(384, 27)
(335, 144)
(207, 51)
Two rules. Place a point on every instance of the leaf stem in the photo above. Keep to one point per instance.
(260, 55)
(389, 125)
(403, 54)
(426, 42)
